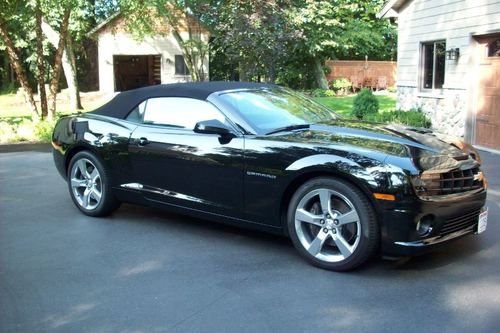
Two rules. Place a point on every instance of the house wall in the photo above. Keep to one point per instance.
(112, 43)
(457, 22)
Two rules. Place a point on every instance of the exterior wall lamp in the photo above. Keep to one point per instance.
(453, 54)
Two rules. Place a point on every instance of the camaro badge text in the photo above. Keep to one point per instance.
(257, 174)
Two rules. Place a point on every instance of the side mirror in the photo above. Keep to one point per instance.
(212, 126)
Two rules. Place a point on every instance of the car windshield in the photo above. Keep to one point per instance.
(267, 110)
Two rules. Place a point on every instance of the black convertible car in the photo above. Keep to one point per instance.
(265, 157)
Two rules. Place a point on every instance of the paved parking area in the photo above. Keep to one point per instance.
(145, 270)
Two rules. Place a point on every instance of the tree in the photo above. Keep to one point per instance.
(339, 27)
(56, 70)
(40, 59)
(290, 40)
(15, 31)
(68, 64)
(12, 20)
(254, 36)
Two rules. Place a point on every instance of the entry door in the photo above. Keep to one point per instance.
(176, 166)
(487, 131)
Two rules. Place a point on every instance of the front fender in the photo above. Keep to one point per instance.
(368, 173)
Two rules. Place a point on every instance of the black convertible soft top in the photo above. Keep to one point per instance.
(124, 102)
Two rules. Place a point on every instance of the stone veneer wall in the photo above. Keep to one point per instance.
(447, 111)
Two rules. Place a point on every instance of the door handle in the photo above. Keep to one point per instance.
(143, 141)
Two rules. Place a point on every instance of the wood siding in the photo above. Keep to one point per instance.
(454, 21)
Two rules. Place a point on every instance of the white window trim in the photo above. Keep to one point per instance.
(425, 92)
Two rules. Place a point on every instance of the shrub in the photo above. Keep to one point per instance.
(392, 89)
(341, 86)
(322, 93)
(365, 103)
(43, 130)
(23, 129)
(413, 118)
(7, 132)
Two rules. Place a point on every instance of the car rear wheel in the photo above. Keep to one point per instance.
(332, 224)
(89, 185)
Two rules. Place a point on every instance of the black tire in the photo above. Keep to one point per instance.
(90, 190)
(324, 230)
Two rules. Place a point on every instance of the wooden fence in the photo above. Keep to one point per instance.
(363, 71)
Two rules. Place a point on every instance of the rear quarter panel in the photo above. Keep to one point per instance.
(106, 137)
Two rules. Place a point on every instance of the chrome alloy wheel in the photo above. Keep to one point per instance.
(327, 225)
(86, 184)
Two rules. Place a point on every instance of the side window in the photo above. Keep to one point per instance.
(136, 114)
(180, 112)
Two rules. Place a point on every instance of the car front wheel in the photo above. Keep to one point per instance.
(89, 185)
(332, 224)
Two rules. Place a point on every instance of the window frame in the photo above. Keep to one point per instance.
(227, 120)
(421, 67)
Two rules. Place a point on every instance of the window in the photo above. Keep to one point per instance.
(136, 114)
(433, 65)
(180, 66)
(180, 112)
(494, 48)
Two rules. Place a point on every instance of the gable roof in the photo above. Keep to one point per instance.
(391, 8)
(121, 104)
(103, 24)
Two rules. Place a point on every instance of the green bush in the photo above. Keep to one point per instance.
(322, 93)
(412, 118)
(23, 129)
(43, 130)
(340, 86)
(392, 89)
(365, 103)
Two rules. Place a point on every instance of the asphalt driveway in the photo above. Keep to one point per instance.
(145, 270)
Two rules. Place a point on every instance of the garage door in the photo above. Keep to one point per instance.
(488, 104)
(135, 71)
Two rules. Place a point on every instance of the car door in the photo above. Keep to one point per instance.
(176, 166)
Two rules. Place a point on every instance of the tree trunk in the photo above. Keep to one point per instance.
(71, 78)
(40, 60)
(319, 74)
(243, 72)
(68, 64)
(18, 68)
(56, 72)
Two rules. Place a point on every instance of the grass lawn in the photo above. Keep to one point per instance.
(13, 105)
(343, 105)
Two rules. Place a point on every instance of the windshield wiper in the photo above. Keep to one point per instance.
(289, 128)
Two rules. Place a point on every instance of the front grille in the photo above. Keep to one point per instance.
(456, 181)
(460, 181)
(459, 223)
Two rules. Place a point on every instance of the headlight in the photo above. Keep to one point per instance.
(472, 152)
(427, 183)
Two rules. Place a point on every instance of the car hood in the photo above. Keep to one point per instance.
(436, 150)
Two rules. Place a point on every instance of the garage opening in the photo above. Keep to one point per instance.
(135, 71)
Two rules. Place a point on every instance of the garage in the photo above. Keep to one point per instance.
(135, 71)
(487, 128)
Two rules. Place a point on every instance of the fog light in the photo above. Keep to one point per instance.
(424, 226)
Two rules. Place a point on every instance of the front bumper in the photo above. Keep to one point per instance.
(451, 219)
